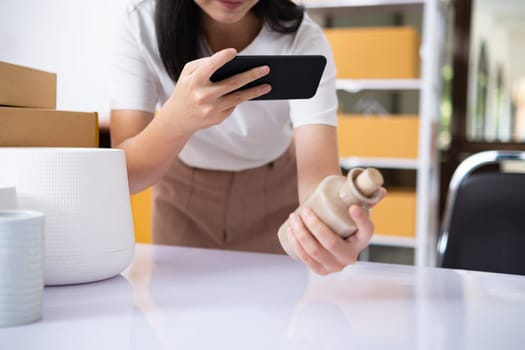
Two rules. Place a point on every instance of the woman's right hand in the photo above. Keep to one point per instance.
(198, 103)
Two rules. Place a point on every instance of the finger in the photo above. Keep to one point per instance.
(215, 62)
(234, 98)
(220, 116)
(340, 252)
(307, 234)
(303, 256)
(365, 227)
(239, 80)
(330, 241)
(192, 66)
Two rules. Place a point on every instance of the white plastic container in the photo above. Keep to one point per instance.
(21, 266)
(8, 197)
(84, 195)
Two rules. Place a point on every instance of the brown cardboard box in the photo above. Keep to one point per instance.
(141, 209)
(378, 136)
(375, 53)
(47, 128)
(26, 87)
(396, 214)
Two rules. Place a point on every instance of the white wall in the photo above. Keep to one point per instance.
(69, 37)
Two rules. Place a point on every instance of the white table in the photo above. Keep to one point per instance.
(183, 298)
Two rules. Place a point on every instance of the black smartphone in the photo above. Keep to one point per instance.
(291, 76)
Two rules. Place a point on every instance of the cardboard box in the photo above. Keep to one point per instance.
(395, 215)
(31, 127)
(375, 53)
(26, 87)
(141, 209)
(378, 136)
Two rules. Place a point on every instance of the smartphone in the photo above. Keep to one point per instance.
(291, 76)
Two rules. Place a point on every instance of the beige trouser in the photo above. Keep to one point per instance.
(222, 209)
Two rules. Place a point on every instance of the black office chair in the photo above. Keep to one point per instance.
(484, 221)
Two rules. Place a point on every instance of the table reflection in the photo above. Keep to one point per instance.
(84, 316)
(194, 295)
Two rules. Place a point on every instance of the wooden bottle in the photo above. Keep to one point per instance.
(332, 198)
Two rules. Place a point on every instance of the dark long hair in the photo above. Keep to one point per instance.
(178, 26)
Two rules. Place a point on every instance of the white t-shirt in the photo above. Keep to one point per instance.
(257, 132)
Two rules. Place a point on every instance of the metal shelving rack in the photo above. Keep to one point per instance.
(356, 85)
(429, 86)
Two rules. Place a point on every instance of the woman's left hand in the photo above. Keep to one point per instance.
(320, 248)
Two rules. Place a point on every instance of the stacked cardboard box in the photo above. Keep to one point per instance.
(375, 53)
(396, 214)
(389, 136)
(28, 115)
(382, 137)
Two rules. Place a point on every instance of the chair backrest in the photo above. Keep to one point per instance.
(484, 221)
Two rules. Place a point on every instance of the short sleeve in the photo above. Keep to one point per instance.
(322, 107)
(133, 84)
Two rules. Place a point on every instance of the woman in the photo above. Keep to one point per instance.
(225, 171)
